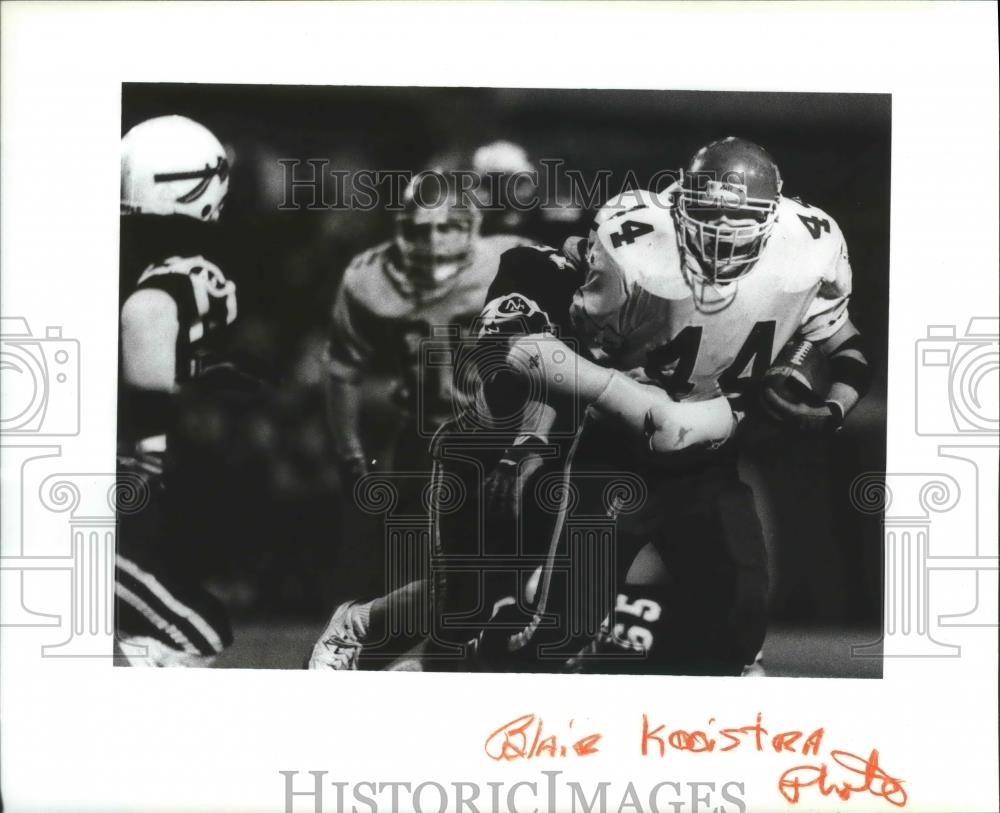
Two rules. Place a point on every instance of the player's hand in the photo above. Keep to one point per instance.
(825, 417)
(504, 488)
(660, 428)
(671, 427)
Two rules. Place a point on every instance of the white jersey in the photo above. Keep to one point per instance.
(641, 310)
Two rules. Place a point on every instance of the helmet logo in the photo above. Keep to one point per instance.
(203, 176)
(513, 304)
(724, 195)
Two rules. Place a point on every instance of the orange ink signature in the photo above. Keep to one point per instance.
(522, 738)
(874, 780)
(758, 737)
(866, 774)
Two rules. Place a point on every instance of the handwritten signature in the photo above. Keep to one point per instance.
(874, 780)
(699, 741)
(526, 737)
(522, 738)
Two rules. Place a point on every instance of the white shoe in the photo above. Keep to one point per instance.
(142, 651)
(338, 647)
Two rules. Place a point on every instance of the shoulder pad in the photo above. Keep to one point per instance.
(629, 200)
(640, 244)
(370, 257)
(365, 273)
(808, 224)
(533, 257)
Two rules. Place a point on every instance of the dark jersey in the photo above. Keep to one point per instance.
(185, 259)
(532, 292)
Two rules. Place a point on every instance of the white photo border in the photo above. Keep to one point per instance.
(78, 735)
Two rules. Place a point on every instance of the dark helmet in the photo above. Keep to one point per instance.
(727, 206)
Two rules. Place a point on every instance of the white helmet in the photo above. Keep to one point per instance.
(173, 165)
(501, 156)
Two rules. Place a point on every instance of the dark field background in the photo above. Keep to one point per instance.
(272, 524)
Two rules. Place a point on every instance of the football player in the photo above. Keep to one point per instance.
(427, 284)
(504, 409)
(432, 274)
(692, 291)
(508, 185)
(178, 302)
(512, 196)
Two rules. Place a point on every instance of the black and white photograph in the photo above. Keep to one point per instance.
(490, 407)
(486, 379)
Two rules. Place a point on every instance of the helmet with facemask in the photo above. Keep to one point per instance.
(726, 208)
(171, 165)
(436, 231)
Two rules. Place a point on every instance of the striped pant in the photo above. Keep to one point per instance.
(158, 588)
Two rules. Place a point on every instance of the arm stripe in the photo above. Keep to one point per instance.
(856, 342)
(851, 372)
(857, 355)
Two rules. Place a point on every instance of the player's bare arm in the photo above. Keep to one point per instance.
(149, 328)
(668, 425)
(347, 356)
(533, 289)
(343, 407)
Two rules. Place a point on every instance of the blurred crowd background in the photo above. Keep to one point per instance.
(264, 496)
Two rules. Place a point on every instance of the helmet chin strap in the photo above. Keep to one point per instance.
(714, 295)
(702, 287)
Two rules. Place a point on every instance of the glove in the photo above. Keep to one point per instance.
(504, 487)
(825, 417)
